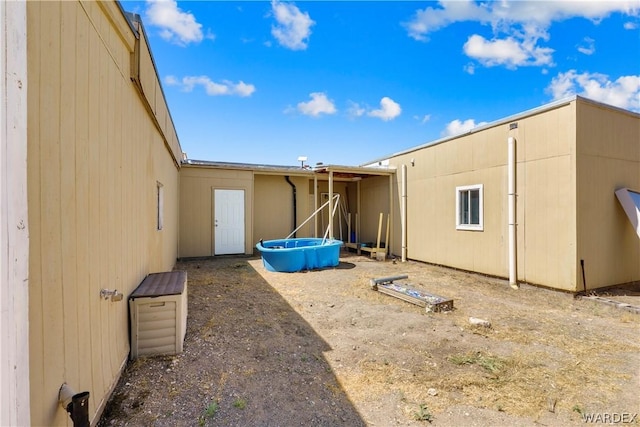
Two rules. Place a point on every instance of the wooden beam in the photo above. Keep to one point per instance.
(386, 241)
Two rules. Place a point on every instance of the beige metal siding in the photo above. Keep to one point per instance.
(196, 207)
(546, 255)
(431, 197)
(273, 198)
(608, 159)
(144, 74)
(374, 200)
(545, 203)
(546, 198)
(268, 205)
(94, 158)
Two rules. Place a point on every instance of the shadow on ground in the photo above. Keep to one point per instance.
(345, 265)
(249, 359)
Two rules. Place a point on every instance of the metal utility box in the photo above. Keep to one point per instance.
(158, 313)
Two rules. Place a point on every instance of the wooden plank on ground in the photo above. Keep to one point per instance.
(431, 302)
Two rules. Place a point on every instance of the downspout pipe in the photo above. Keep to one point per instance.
(295, 213)
(403, 214)
(511, 200)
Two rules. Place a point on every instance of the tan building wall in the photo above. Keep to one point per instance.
(268, 205)
(544, 210)
(478, 158)
(546, 198)
(196, 207)
(608, 152)
(374, 200)
(273, 208)
(571, 157)
(96, 153)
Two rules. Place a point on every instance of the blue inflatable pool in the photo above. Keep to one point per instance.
(290, 255)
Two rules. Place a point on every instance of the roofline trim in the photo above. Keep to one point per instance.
(289, 170)
(527, 113)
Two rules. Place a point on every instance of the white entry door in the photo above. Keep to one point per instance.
(228, 222)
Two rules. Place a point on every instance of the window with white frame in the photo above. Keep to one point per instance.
(160, 205)
(469, 207)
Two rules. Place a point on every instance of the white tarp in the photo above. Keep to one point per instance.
(630, 201)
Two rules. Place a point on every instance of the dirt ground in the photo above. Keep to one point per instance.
(321, 348)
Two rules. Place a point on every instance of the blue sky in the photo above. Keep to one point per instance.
(349, 82)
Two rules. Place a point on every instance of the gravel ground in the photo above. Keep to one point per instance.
(321, 348)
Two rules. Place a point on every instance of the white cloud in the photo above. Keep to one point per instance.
(470, 69)
(389, 110)
(508, 52)
(318, 105)
(171, 80)
(518, 26)
(588, 46)
(176, 26)
(212, 88)
(505, 14)
(293, 27)
(423, 119)
(630, 25)
(243, 89)
(355, 110)
(456, 127)
(624, 92)
(431, 19)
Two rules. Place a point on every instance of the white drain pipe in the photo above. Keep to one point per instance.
(403, 220)
(511, 195)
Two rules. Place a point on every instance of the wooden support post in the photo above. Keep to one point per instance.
(379, 234)
(358, 210)
(386, 240)
(315, 204)
(331, 201)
